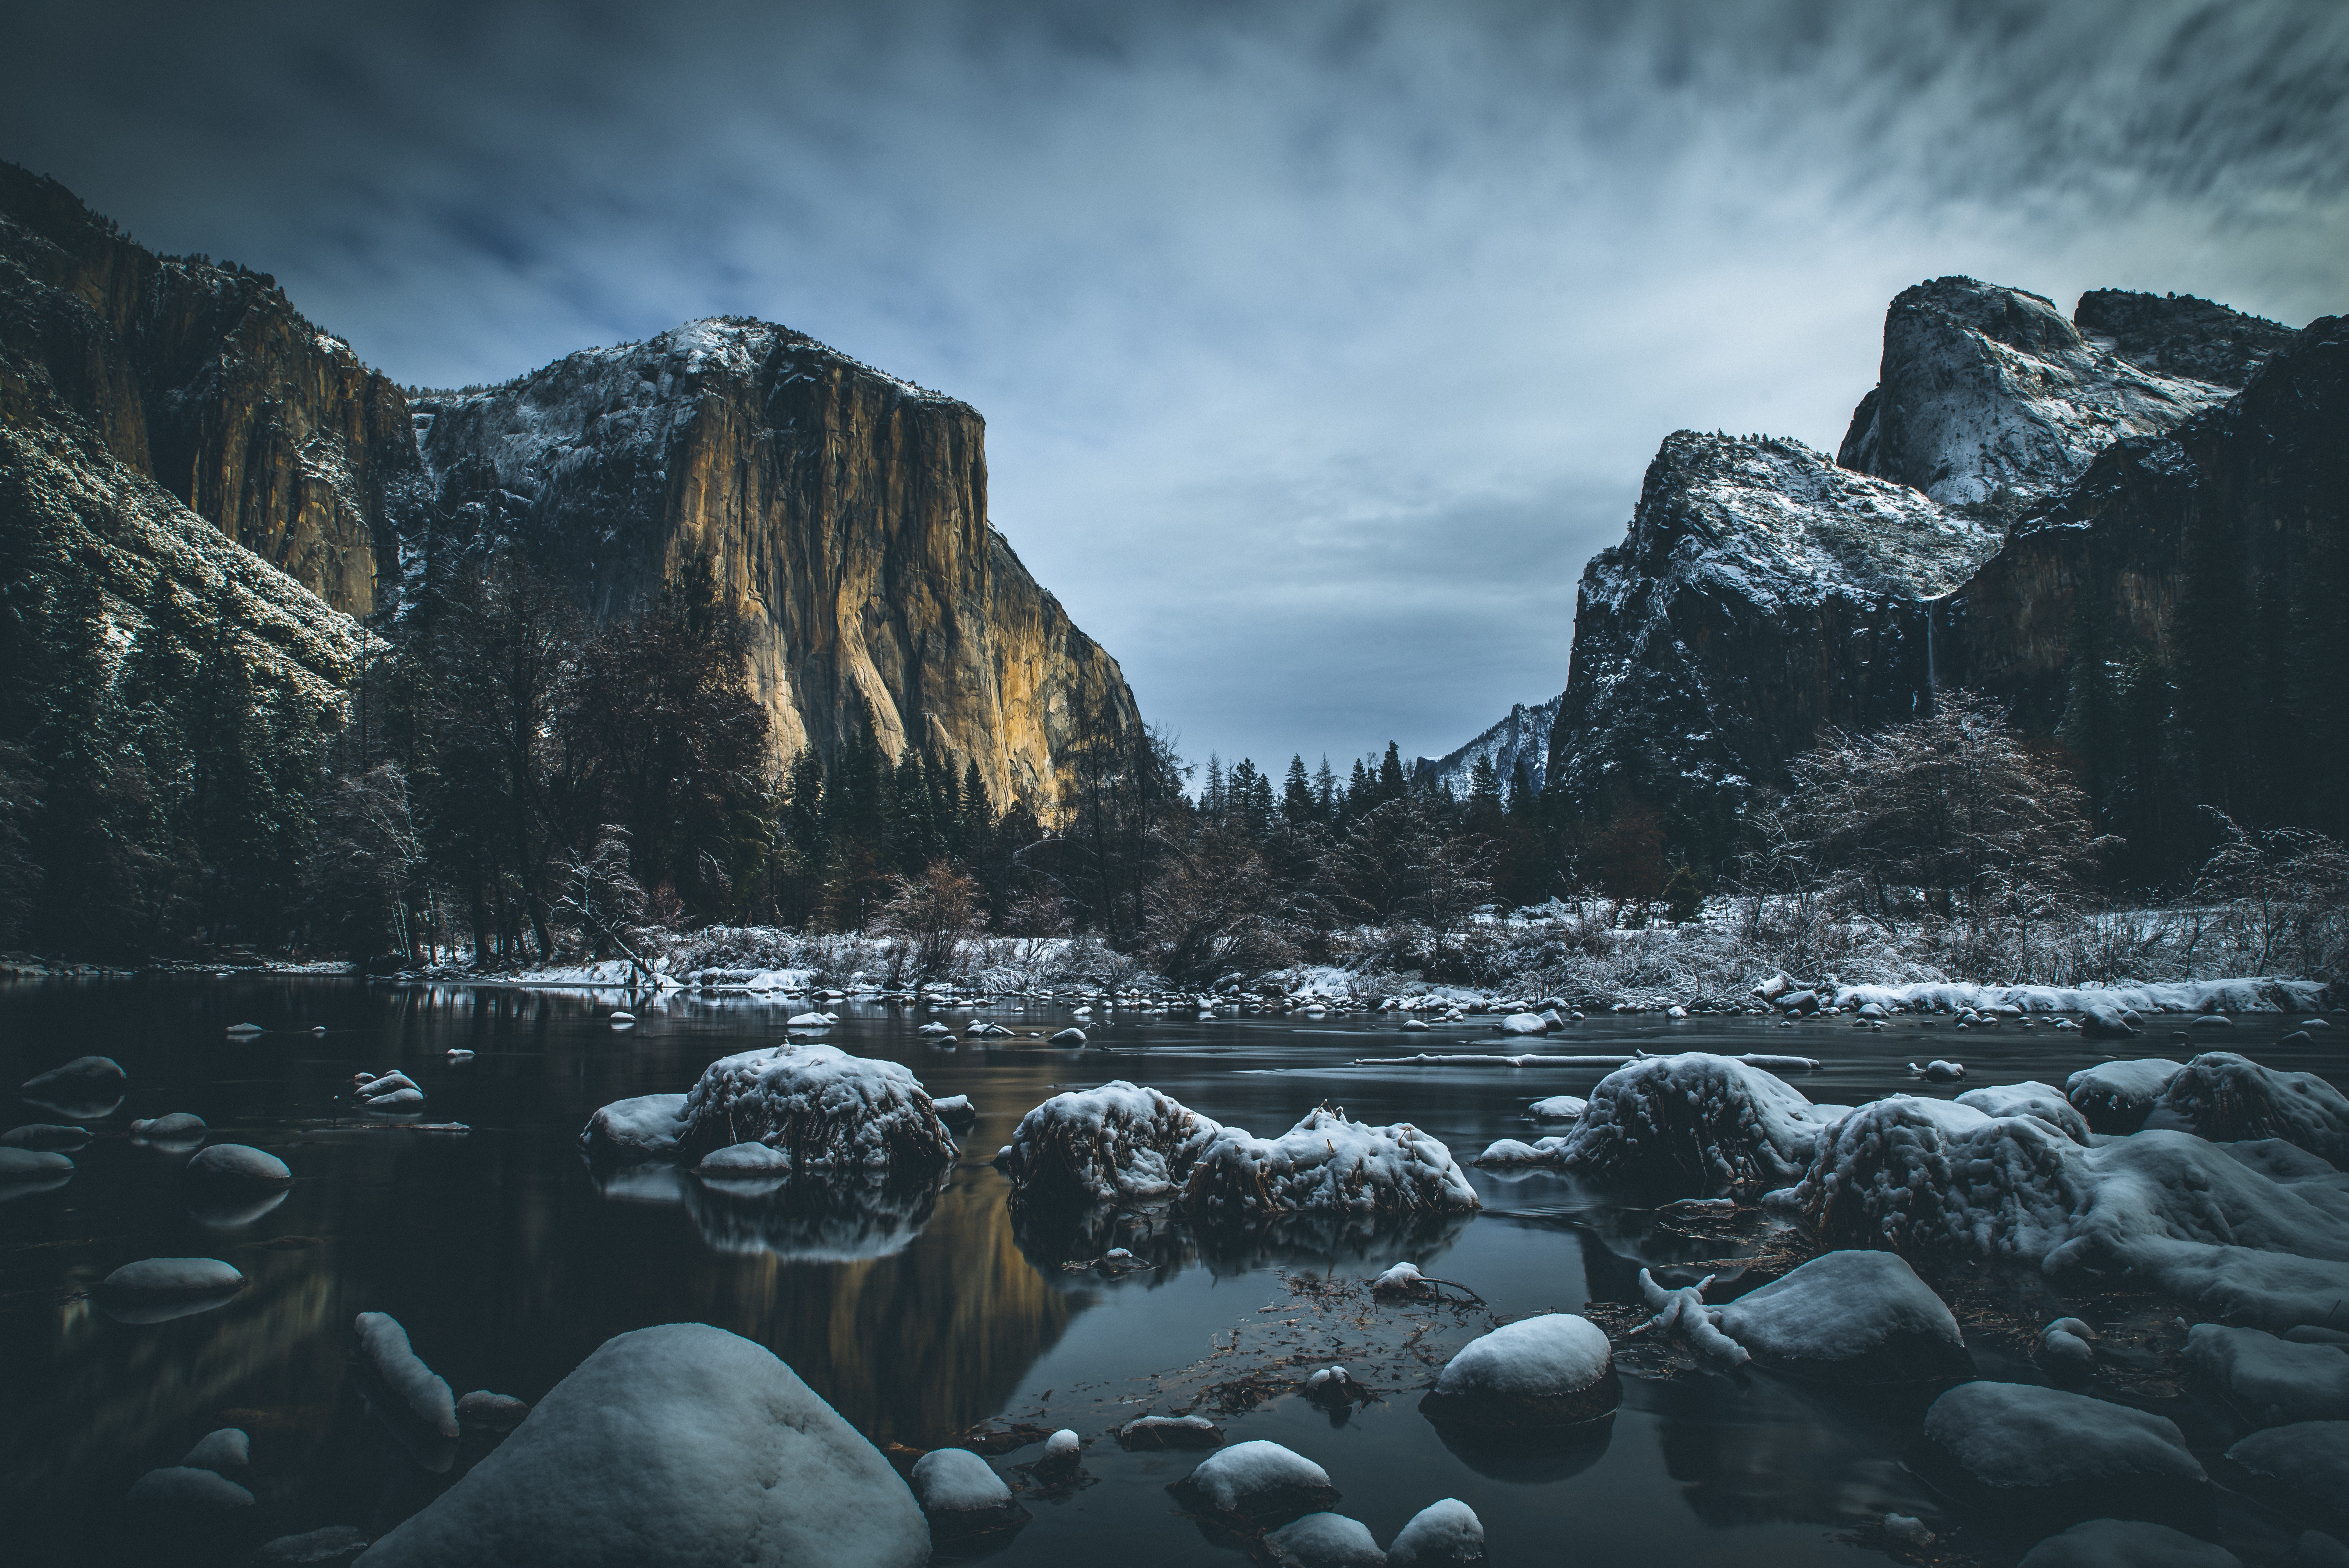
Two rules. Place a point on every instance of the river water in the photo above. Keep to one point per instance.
(509, 1261)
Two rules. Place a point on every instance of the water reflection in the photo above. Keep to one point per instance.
(1530, 1457)
(1758, 1448)
(809, 1222)
(1163, 1244)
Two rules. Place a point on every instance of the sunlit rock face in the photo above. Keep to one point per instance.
(1989, 400)
(205, 379)
(842, 510)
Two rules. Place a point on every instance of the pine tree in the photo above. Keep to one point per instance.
(1297, 806)
(1325, 793)
(1392, 784)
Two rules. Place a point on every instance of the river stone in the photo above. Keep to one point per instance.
(2103, 1021)
(2043, 1453)
(47, 1136)
(1554, 1370)
(178, 1125)
(223, 1450)
(2116, 1097)
(492, 1412)
(2272, 1380)
(1850, 1316)
(1258, 1484)
(1151, 1433)
(187, 1487)
(966, 1501)
(171, 1279)
(2307, 1463)
(1445, 1534)
(84, 1090)
(2126, 1544)
(677, 1447)
(1324, 1540)
(226, 1165)
(32, 1164)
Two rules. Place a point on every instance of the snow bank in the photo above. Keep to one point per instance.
(2040, 1452)
(677, 1447)
(385, 1344)
(2257, 995)
(1695, 1125)
(2030, 1099)
(1324, 1540)
(1851, 1316)
(1444, 1534)
(826, 1109)
(1117, 1143)
(2272, 1380)
(1553, 1370)
(2126, 1544)
(645, 1128)
(2116, 1097)
(1259, 1483)
(2227, 1097)
(2307, 1462)
(1326, 1163)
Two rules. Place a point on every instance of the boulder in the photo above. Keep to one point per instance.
(223, 1450)
(645, 1128)
(1692, 1126)
(384, 1345)
(2230, 1099)
(2037, 1453)
(1444, 1534)
(1554, 1370)
(1117, 1143)
(676, 1446)
(2305, 1465)
(179, 1126)
(1853, 1317)
(2273, 1381)
(190, 1490)
(1523, 1024)
(2116, 1096)
(238, 1168)
(491, 1412)
(1257, 1484)
(156, 1289)
(32, 1165)
(2044, 1101)
(1323, 1541)
(2103, 1021)
(1148, 1433)
(965, 1500)
(829, 1111)
(1327, 1164)
(50, 1137)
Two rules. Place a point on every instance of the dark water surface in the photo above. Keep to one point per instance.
(509, 1262)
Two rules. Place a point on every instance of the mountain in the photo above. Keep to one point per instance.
(1521, 740)
(2010, 472)
(843, 511)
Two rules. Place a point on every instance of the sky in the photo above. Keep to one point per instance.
(1319, 345)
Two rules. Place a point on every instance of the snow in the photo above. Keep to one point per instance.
(2126, 1544)
(744, 1160)
(2014, 1439)
(2104, 1021)
(1858, 1315)
(2116, 1096)
(1443, 1534)
(2233, 994)
(1683, 1315)
(680, 1446)
(171, 1279)
(2225, 1097)
(1260, 1481)
(1169, 1432)
(645, 1128)
(1559, 1108)
(186, 1486)
(1696, 1125)
(495, 1412)
(1555, 1354)
(1070, 1036)
(386, 1091)
(2030, 1099)
(238, 1165)
(955, 1481)
(2273, 1380)
(1514, 1152)
(1063, 1448)
(385, 1344)
(1523, 1024)
(828, 1110)
(1324, 1540)
(1327, 1164)
(171, 1129)
(226, 1449)
(810, 1021)
(1117, 1143)
(52, 1137)
(2307, 1459)
(956, 1110)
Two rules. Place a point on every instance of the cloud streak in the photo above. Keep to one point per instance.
(1319, 345)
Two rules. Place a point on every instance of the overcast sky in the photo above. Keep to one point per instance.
(1319, 346)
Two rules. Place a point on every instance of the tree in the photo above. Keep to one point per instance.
(933, 912)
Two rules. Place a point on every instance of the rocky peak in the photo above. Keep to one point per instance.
(1989, 400)
(2179, 336)
(1521, 739)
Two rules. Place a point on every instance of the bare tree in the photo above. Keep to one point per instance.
(2284, 895)
(933, 914)
(601, 891)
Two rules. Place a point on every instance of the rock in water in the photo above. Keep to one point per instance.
(1523, 1024)
(1691, 1126)
(2042, 1453)
(1324, 1540)
(1258, 1483)
(2042, 1101)
(223, 1450)
(33, 1165)
(156, 1280)
(645, 1128)
(1445, 1534)
(50, 1137)
(1153, 1432)
(238, 1167)
(385, 1344)
(1850, 1316)
(1327, 1164)
(2272, 1380)
(2116, 1096)
(2105, 1022)
(2126, 1544)
(2227, 1098)
(2306, 1464)
(831, 1113)
(677, 1447)
(1554, 1370)
(492, 1413)
(178, 1126)
(965, 1500)
(1070, 1036)
(1117, 1143)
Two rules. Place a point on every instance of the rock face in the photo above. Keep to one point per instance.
(1521, 740)
(2179, 336)
(843, 511)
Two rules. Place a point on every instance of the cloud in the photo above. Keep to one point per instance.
(1320, 343)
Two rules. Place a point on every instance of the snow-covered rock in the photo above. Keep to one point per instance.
(1070, 1036)
(828, 1110)
(1507, 1151)
(1064, 1452)
(2067, 1348)
(50, 1137)
(963, 1497)
(2116, 1096)
(2104, 1021)
(2035, 1452)
(391, 1091)
(492, 1413)
(1682, 1315)
(2306, 1464)
(2273, 1381)
(1258, 1482)
(2228, 1098)
(181, 1283)
(84, 1090)
(1693, 1125)
(810, 1021)
(645, 1128)
(1523, 1024)
(238, 1166)
(1326, 1163)
(1403, 1282)
(1850, 1316)
(2030, 1099)
(1323, 1541)
(1553, 1370)
(957, 1111)
(1153, 1432)
(1117, 1143)
(384, 1345)
(1559, 1108)
(178, 1126)
(2126, 1544)
(34, 1165)
(676, 1446)
(1443, 1534)
(222, 1451)
(189, 1488)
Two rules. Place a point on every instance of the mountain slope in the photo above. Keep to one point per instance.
(1521, 739)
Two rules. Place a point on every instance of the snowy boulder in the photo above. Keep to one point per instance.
(1326, 1163)
(810, 1021)
(33, 1165)
(50, 1137)
(179, 1126)
(1523, 1024)
(1505, 1151)
(2103, 1021)
(957, 1111)
(2126, 1544)
(1559, 1108)
(676, 1446)
(383, 1344)
(1445, 1534)
(1070, 1036)
(2227, 1097)
(491, 1412)
(238, 1167)
(828, 1110)
(1417, 1026)
(1554, 1370)
(1118, 1143)
(963, 1497)
(1693, 1125)
(744, 1160)
(391, 1091)
(1850, 1316)
(1257, 1483)
(2044, 1101)
(188, 1489)
(2067, 1348)
(2272, 1380)
(155, 1289)
(1064, 1454)
(2305, 1465)
(1323, 1541)
(84, 1090)
(645, 1128)
(2116, 1096)
(932, 1031)
(222, 1451)
(2031, 1452)
(1149, 1433)
(1939, 1071)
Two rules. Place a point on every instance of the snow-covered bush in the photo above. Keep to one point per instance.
(1328, 1161)
(2225, 1097)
